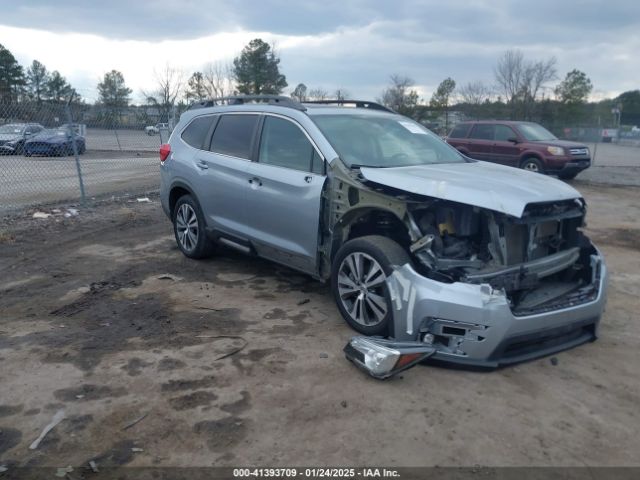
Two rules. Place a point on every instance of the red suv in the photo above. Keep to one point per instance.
(520, 144)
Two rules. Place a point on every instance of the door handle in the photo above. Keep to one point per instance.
(255, 181)
(308, 178)
(202, 165)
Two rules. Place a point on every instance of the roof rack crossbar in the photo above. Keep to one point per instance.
(278, 100)
(356, 103)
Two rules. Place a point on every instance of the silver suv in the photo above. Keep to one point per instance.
(485, 263)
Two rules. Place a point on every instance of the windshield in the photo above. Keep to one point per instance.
(384, 141)
(11, 128)
(535, 133)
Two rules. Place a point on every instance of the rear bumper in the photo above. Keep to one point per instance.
(474, 325)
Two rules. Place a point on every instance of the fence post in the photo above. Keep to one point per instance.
(72, 133)
(114, 124)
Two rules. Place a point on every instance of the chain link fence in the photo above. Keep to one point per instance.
(75, 152)
(57, 152)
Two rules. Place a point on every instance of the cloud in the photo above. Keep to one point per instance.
(354, 45)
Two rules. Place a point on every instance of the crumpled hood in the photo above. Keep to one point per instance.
(482, 184)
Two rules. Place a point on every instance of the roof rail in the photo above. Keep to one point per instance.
(278, 100)
(355, 103)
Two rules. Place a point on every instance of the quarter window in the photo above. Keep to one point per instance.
(283, 144)
(234, 134)
(482, 132)
(196, 132)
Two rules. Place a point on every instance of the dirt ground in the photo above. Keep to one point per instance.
(236, 361)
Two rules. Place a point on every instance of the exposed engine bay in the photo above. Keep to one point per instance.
(536, 259)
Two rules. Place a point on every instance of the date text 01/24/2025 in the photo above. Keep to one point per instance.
(315, 472)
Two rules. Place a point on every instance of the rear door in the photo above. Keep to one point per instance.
(480, 142)
(458, 137)
(285, 188)
(222, 173)
(505, 151)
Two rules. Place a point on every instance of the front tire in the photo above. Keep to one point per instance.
(188, 228)
(358, 276)
(532, 165)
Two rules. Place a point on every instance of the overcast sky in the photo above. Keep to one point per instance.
(351, 44)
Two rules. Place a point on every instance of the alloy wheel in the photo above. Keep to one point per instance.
(361, 287)
(187, 227)
(531, 166)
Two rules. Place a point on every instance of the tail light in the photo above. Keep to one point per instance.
(165, 151)
(382, 358)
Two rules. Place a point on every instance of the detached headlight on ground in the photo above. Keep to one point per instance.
(383, 358)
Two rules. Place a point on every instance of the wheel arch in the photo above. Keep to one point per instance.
(179, 189)
(365, 221)
(530, 154)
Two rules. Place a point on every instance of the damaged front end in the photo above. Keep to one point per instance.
(487, 286)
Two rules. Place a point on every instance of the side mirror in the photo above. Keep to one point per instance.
(512, 140)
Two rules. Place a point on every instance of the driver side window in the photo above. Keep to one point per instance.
(283, 144)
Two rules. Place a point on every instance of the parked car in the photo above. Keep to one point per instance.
(54, 142)
(155, 129)
(520, 144)
(480, 263)
(14, 135)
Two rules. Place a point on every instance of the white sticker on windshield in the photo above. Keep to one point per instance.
(413, 128)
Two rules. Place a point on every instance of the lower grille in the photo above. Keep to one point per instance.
(554, 339)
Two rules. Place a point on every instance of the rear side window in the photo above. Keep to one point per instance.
(196, 132)
(482, 131)
(460, 131)
(285, 145)
(234, 134)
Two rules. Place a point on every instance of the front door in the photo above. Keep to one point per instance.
(283, 200)
(505, 150)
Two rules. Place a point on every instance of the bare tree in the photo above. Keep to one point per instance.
(521, 81)
(399, 95)
(218, 79)
(318, 93)
(169, 83)
(300, 92)
(341, 94)
(474, 94)
(508, 73)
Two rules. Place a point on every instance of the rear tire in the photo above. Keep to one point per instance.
(532, 164)
(189, 229)
(358, 275)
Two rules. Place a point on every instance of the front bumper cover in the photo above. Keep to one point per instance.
(474, 325)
